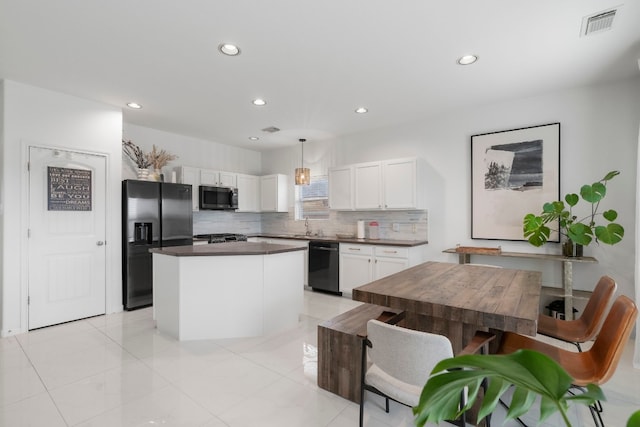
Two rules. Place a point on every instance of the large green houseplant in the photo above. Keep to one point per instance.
(532, 374)
(595, 225)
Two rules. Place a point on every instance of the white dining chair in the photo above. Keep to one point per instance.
(400, 361)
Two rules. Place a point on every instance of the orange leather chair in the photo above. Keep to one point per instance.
(594, 366)
(584, 328)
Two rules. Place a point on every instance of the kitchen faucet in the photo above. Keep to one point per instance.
(306, 226)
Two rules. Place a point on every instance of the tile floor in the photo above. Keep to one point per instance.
(117, 370)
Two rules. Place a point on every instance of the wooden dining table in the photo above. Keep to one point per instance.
(456, 300)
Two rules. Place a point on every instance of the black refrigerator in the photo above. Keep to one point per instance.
(154, 215)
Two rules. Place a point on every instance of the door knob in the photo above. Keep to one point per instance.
(99, 243)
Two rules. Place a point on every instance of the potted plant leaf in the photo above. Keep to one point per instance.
(532, 374)
(580, 231)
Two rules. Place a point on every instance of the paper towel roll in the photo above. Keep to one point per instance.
(360, 233)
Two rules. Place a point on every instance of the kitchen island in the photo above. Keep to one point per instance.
(228, 290)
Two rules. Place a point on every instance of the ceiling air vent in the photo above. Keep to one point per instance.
(271, 129)
(601, 21)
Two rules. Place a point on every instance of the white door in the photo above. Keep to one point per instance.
(67, 203)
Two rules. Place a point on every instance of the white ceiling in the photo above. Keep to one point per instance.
(313, 61)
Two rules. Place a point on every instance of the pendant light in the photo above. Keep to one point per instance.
(303, 175)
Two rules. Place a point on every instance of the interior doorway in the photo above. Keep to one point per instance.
(66, 236)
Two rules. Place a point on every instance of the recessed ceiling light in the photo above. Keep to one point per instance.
(229, 49)
(467, 59)
(259, 102)
(134, 105)
(361, 110)
(253, 138)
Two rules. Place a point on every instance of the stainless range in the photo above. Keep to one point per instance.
(222, 237)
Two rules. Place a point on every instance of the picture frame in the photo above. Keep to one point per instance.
(513, 172)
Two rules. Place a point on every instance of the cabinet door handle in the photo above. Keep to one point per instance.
(325, 249)
(354, 249)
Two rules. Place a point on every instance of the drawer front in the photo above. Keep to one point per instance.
(391, 251)
(348, 248)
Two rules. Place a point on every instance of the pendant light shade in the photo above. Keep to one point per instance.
(303, 175)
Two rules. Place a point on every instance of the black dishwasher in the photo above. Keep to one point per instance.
(324, 271)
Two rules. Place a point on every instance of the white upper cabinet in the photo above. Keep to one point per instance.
(248, 193)
(404, 184)
(388, 184)
(227, 179)
(218, 178)
(189, 175)
(341, 188)
(368, 186)
(208, 177)
(273, 193)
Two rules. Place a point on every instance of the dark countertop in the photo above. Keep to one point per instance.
(226, 249)
(387, 242)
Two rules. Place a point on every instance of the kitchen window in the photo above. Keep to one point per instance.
(312, 201)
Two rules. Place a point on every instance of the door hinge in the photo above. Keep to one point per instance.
(28, 300)
(28, 233)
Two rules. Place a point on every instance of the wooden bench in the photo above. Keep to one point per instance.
(340, 347)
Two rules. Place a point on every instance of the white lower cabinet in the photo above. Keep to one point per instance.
(356, 266)
(384, 266)
(361, 264)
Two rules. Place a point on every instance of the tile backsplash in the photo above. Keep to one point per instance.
(394, 225)
(207, 222)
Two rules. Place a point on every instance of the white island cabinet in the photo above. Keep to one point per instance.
(230, 290)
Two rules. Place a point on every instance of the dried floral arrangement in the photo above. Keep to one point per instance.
(135, 153)
(159, 158)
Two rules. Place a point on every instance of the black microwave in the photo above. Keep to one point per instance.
(218, 198)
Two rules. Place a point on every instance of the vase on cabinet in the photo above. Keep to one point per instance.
(143, 174)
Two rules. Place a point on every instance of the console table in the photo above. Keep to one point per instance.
(464, 257)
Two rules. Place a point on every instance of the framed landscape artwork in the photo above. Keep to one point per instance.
(513, 172)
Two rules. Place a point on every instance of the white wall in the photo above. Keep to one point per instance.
(34, 116)
(599, 133)
(191, 151)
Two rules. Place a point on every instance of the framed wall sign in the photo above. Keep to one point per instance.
(68, 189)
(513, 172)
